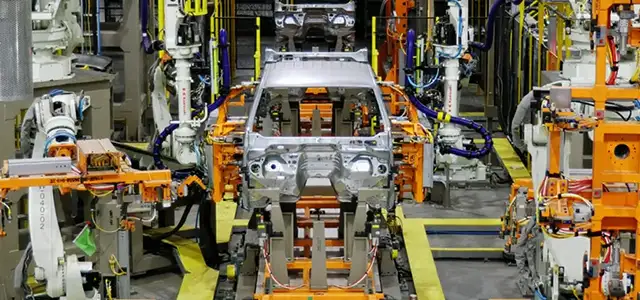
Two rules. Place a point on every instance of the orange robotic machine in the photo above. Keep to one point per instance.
(604, 207)
(88, 165)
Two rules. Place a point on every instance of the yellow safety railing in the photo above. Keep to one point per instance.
(258, 53)
(420, 42)
(160, 24)
(215, 22)
(374, 50)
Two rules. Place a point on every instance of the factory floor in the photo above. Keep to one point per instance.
(460, 279)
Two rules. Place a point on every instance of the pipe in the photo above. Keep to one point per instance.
(489, 27)
(146, 43)
(177, 228)
(226, 83)
(226, 61)
(443, 116)
(257, 56)
(98, 30)
(411, 42)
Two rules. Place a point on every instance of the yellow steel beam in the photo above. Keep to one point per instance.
(421, 262)
(510, 160)
(472, 114)
(141, 146)
(449, 249)
(460, 222)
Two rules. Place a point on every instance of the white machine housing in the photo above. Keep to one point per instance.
(55, 28)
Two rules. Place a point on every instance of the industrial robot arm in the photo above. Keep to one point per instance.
(56, 116)
(182, 42)
(55, 27)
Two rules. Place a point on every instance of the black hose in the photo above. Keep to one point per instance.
(207, 233)
(177, 228)
(615, 108)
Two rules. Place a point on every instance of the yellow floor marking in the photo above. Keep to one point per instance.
(423, 266)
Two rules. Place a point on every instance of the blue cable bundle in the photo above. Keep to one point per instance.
(441, 116)
(493, 12)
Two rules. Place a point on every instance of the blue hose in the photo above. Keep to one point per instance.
(56, 92)
(441, 116)
(226, 84)
(539, 295)
(429, 84)
(204, 80)
(60, 136)
(488, 141)
(147, 44)
(226, 63)
(80, 106)
(493, 12)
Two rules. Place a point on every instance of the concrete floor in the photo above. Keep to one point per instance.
(461, 279)
(471, 279)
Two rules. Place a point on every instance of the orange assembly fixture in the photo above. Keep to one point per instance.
(226, 171)
(616, 163)
(409, 150)
(303, 264)
(98, 164)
